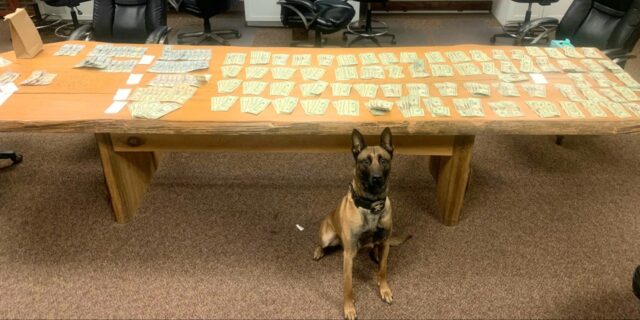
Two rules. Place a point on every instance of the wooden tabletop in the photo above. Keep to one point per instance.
(77, 99)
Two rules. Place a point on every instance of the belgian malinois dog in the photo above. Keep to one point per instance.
(363, 217)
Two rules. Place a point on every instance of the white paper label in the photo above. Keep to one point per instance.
(116, 106)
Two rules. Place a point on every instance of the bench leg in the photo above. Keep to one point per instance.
(452, 176)
(127, 175)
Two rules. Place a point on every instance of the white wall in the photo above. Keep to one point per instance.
(507, 10)
(267, 12)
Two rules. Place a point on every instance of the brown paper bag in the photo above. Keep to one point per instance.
(24, 35)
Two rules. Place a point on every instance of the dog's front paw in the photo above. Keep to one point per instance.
(318, 253)
(349, 311)
(385, 294)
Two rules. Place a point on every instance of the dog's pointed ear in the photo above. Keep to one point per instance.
(385, 141)
(357, 143)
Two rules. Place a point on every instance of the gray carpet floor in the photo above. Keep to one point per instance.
(547, 231)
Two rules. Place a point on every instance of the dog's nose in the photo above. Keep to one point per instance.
(377, 179)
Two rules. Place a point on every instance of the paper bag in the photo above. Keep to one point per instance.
(24, 35)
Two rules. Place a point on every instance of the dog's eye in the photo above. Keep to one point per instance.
(366, 161)
(383, 161)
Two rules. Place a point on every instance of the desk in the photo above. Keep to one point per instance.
(131, 149)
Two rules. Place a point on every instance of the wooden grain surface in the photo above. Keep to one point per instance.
(76, 101)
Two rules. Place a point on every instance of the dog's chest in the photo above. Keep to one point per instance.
(370, 231)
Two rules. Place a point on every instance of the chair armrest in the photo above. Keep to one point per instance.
(291, 5)
(84, 32)
(159, 35)
(332, 4)
(550, 23)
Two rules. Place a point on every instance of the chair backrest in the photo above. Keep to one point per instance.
(605, 24)
(290, 18)
(206, 8)
(129, 21)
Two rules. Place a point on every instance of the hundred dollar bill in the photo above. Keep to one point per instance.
(592, 65)
(612, 95)
(346, 73)
(120, 66)
(435, 57)
(490, 68)
(506, 109)
(282, 73)
(457, 56)
(519, 54)
(441, 70)
(312, 73)
(571, 52)
(285, 105)
(151, 109)
(535, 90)
(109, 50)
(228, 85)
(627, 93)
(371, 72)
(555, 53)
(591, 53)
(347, 107)
(281, 88)
(527, 66)
(255, 72)
(391, 90)
(367, 90)
(545, 65)
(508, 67)
(394, 71)
(593, 108)
(254, 105)
(162, 66)
(341, 89)
(231, 71)
(418, 89)
(379, 107)
(628, 80)
(301, 60)
(39, 78)
(315, 107)
(223, 103)
(418, 69)
(544, 109)
(388, 58)
(253, 87)
(408, 57)
(478, 89)
(447, 89)
(260, 57)
(410, 107)
(468, 69)
(602, 80)
(436, 107)
(347, 60)
(617, 109)
(168, 53)
(568, 91)
(68, 49)
(535, 51)
(571, 109)
(611, 66)
(507, 89)
(235, 58)
(469, 107)
(478, 56)
(313, 88)
(499, 54)
(579, 80)
(95, 62)
(368, 58)
(325, 60)
(592, 95)
(279, 59)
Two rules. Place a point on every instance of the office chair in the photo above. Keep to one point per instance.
(66, 29)
(322, 16)
(636, 282)
(511, 29)
(128, 21)
(43, 21)
(14, 157)
(370, 29)
(206, 9)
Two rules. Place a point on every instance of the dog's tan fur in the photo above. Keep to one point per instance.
(353, 227)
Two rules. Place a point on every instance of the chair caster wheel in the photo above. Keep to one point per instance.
(18, 159)
(394, 42)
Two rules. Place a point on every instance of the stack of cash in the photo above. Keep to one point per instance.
(285, 105)
(8, 77)
(418, 89)
(325, 60)
(408, 57)
(478, 89)
(254, 87)
(591, 53)
(628, 80)
(120, 66)
(568, 66)
(602, 80)
(168, 53)
(572, 52)
(568, 91)
(371, 72)
(301, 60)
(457, 56)
(579, 80)
(39, 78)
(418, 69)
(592, 65)
(468, 69)
(441, 70)
(346, 73)
(571, 109)
(555, 53)
(281, 88)
(447, 89)
(230, 71)
(395, 72)
(593, 108)
(256, 72)
(507, 89)
(162, 66)
(179, 94)
(506, 109)
(435, 57)
(315, 107)
(626, 93)
(151, 109)
(95, 62)
(313, 88)
(280, 59)
(347, 107)
(223, 103)
(311, 73)
(391, 90)
(470, 107)
(410, 106)
(347, 60)
(172, 80)
(379, 107)
(368, 59)
(109, 50)
(253, 105)
(479, 56)
(235, 59)
(367, 90)
(535, 52)
(69, 49)
(341, 89)
(282, 73)
(535, 90)
(544, 109)
(388, 58)
(436, 107)
(229, 85)
(260, 57)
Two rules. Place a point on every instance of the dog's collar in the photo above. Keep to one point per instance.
(375, 207)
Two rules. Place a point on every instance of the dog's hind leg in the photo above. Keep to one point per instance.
(328, 238)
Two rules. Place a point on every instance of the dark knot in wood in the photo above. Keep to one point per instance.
(135, 141)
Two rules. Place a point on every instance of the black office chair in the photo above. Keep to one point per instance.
(66, 29)
(14, 157)
(512, 28)
(43, 21)
(369, 29)
(322, 16)
(128, 21)
(206, 9)
(636, 282)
